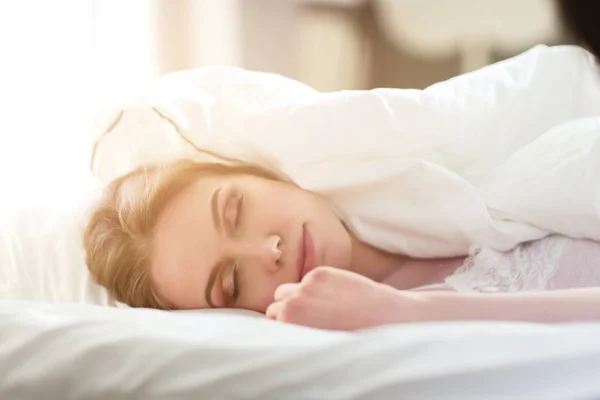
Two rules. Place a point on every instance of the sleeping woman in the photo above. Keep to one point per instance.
(190, 235)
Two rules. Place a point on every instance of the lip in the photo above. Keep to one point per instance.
(306, 253)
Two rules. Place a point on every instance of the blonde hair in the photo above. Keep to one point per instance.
(119, 235)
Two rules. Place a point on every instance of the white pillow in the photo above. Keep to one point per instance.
(41, 252)
(185, 109)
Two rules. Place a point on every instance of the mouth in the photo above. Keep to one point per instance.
(306, 253)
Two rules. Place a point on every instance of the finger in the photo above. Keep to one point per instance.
(325, 274)
(285, 291)
(318, 275)
(273, 310)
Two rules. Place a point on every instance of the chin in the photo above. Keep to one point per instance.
(341, 256)
(341, 260)
(333, 246)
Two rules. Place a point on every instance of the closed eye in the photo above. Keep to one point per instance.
(230, 214)
(231, 288)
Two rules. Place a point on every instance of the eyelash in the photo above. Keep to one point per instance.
(236, 290)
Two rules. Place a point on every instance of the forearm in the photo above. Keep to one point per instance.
(549, 306)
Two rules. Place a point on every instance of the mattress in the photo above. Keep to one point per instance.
(74, 351)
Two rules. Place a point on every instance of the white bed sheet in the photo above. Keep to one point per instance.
(91, 352)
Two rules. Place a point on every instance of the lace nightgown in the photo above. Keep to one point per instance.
(552, 263)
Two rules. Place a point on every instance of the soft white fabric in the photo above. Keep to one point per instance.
(41, 252)
(88, 352)
(552, 263)
(483, 158)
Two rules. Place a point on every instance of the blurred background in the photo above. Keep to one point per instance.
(328, 44)
(64, 59)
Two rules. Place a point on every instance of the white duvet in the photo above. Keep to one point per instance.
(503, 155)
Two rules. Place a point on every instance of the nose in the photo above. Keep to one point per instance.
(265, 252)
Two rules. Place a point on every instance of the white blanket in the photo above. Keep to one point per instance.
(503, 155)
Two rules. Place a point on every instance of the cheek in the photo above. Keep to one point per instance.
(261, 285)
(278, 209)
(275, 197)
(262, 295)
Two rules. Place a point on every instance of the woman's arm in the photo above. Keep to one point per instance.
(549, 306)
(330, 298)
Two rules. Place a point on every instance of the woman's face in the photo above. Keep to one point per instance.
(230, 241)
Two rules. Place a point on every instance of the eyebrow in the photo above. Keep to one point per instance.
(216, 216)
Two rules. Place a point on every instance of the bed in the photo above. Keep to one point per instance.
(65, 339)
(61, 336)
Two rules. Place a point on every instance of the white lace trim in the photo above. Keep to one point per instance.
(528, 267)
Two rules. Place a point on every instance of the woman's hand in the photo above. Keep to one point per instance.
(330, 298)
